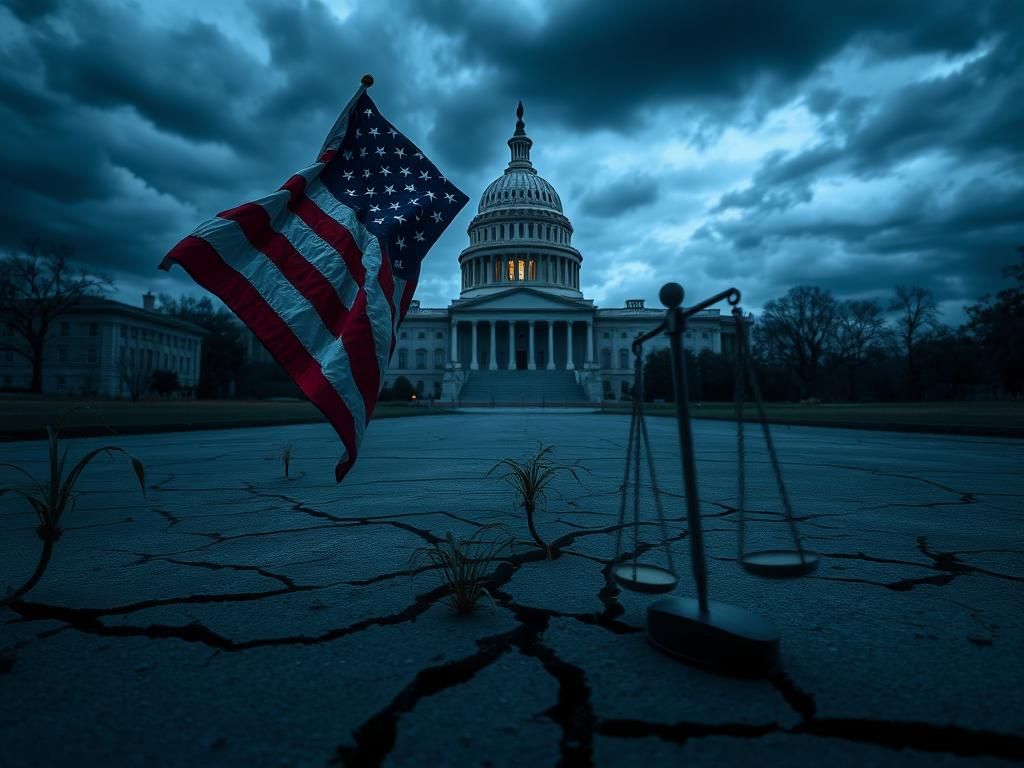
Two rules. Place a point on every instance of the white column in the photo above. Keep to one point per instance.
(493, 364)
(568, 347)
(455, 342)
(590, 341)
(531, 360)
(551, 346)
(511, 345)
(473, 364)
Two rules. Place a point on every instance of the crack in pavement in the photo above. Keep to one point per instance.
(87, 620)
(924, 737)
(373, 741)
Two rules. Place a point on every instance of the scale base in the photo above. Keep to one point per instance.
(726, 639)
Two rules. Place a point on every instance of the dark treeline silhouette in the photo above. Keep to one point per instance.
(223, 364)
(808, 345)
(38, 284)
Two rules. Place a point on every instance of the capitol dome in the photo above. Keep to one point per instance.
(518, 188)
(520, 234)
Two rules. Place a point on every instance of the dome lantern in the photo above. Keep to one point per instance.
(520, 145)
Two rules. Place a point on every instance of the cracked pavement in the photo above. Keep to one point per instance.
(233, 617)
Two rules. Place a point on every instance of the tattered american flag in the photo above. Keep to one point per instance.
(323, 270)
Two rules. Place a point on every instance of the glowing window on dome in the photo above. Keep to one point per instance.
(533, 269)
(522, 269)
(511, 269)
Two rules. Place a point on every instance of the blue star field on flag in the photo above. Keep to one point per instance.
(396, 192)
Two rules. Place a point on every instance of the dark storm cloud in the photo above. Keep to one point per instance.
(597, 63)
(122, 128)
(178, 79)
(950, 231)
(29, 10)
(620, 197)
(973, 113)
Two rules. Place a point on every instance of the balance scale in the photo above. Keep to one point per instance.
(710, 634)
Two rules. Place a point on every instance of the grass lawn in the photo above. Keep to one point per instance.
(977, 418)
(27, 417)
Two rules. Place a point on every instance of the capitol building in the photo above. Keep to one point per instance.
(521, 330)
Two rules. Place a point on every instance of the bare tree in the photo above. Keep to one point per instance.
(800, 331)
(916, 313)
(861, 328)
(133, 373)
(38, 285)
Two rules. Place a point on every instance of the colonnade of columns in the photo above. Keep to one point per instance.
(532, 359)
(535, 268)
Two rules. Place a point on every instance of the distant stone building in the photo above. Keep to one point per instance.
(103, 348)
(521, 329)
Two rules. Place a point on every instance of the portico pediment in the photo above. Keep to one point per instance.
(521, 299)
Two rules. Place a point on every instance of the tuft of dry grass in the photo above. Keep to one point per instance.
(53, 497)
(286, 456)
(530, 479)
(463, 563)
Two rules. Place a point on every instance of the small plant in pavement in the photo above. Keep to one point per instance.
(464, 562)
(286, 456)
(530, 479)
(52, 498)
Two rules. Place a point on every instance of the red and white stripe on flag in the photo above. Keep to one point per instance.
(313, 276)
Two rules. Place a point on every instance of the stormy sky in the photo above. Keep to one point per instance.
(851, 145)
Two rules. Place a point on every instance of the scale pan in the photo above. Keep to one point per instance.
(645, 578)
(779, 563)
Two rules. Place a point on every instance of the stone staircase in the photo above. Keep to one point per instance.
(522, 388)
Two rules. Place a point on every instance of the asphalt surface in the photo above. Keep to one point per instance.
(235, 617)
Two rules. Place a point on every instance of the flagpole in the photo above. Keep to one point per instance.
(340, 125)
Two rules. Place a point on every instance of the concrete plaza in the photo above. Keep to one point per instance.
(233, 617)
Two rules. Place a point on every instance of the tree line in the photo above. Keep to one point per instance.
(809, 345)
